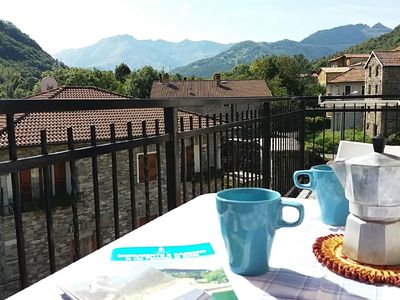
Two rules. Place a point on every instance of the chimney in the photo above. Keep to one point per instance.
(217, 78)
(166, 77)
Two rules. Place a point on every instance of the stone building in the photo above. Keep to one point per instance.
(217, 88)
(382, 77)
(27, 130)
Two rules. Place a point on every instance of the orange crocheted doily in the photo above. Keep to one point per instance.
(328, 251)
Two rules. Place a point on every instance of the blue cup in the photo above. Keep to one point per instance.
(329, 192)
(248, 219)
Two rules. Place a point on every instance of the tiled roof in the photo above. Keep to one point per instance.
(78, 92)
(210, 89)
(388, 58)
(350, 55)
(352, 75)
(68, 92)
(333, 70)
(27, 129)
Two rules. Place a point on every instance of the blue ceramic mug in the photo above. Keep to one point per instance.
(329, 193)
(248, 219)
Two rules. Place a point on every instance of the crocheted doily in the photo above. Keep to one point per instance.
(328, 251)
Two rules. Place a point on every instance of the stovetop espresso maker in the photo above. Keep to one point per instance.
(372, 186)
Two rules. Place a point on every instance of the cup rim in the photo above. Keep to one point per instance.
(322, 168)
(223, 199)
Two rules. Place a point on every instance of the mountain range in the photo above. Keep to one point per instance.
(322, 43)
(203, 58)
(109, 52)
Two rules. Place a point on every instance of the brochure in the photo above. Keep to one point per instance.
(160, 272)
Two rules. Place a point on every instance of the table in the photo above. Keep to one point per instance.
(294, 274)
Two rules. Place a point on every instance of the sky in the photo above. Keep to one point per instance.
(63, 24)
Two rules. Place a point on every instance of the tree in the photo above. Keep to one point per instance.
(140, 81)
(86, 77)
(239, 72)
(121, 72)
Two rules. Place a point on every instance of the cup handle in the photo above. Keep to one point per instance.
(308, 186)
(300, 209)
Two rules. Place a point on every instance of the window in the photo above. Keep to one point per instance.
(369, 89)
(369, 71)
(347, 90)
(376, 89)
(60, 182)
(377, 71)
(32, 184)
(151, 166)
(363, 90)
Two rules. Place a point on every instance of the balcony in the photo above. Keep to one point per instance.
(70, 191)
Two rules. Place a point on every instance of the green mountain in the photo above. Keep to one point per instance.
(22, 62)
(343, 37)
(159, 54)
(245, 53)
(319, 44)
(388, 41)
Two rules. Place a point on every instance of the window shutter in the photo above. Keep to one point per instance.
(26, 185)
(151, 164)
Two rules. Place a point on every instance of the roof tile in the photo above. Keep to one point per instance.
(352, 75)
(28, 127)
(209, 89)
(388, 58)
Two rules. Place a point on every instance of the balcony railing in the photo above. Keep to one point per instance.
(121, 179)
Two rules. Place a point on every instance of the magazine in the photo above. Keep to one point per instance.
(169, 272)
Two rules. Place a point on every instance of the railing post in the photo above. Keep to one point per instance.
(17, 205)
(266, 142)
(172, 157)
(302, 131)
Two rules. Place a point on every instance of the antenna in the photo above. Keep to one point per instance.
(47, 84)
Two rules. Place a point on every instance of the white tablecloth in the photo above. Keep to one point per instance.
(294, 274)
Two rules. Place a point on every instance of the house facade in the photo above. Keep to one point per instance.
(326, 73)
(382, 77)
(27, 131)
(350, 82)
(217, 88)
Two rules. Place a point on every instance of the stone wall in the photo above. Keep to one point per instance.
(388, 83)
(373, 80)
(36, 246)
(391, 81)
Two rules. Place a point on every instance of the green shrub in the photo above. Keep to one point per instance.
(327, 143)
(313, 124)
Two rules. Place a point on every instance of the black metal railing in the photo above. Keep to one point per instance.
(124, 181)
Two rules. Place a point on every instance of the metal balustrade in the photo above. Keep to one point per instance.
(259, 147)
